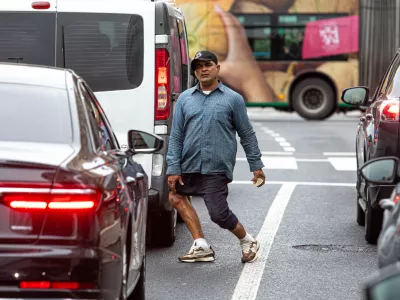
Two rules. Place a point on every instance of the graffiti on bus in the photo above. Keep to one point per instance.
(263, 45)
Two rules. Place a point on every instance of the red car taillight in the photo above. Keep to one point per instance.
(32, 198)
(391, 112)
(162, 89)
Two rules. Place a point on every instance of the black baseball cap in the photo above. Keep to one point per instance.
(205, 56)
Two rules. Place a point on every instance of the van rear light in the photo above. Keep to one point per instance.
(41, 5)
(391, 112)
(64, 199)
(162, 85)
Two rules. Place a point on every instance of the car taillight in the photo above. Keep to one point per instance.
(65, 285)
(391, 112)
(54, 199)
(162, 89)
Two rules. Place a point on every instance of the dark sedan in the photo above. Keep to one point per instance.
(73, 206)
(377, 136)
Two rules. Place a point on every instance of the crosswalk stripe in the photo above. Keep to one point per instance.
(277, 162)
(290, 162)
(343, 163)
(339, 153)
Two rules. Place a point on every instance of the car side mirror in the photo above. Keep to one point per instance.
(144, 142)
(381, 170)
(355, 95)
(385, 285)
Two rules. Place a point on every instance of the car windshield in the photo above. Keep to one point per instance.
(34, 114)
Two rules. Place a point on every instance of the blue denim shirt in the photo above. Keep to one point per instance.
(203, 134)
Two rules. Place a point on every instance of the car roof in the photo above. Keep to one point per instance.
(33, 75)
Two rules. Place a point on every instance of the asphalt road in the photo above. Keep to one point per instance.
(304, 218)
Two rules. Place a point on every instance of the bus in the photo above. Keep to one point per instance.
(294, 55)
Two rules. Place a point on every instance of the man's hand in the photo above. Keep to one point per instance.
(172, 180)
(258, 174)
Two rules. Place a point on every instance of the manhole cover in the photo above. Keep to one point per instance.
(336, 248)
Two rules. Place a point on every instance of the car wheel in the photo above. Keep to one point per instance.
(179, 219)
(139, 293)
(161, 228)
(313, 99)
(373, 222)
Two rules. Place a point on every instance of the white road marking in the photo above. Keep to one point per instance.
(339, 153)
(280, 139)
(289, 149)
(343, 184)
(274, 134)
(249, 281)
(288, 162)
(312, 160)
(285, 144)
(285, 163)
(276, 153)
(343, 163)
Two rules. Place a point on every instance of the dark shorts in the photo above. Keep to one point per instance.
(214, 190)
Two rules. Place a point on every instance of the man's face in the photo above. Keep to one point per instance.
(206, 71)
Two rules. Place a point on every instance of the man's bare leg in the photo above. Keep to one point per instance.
(239, 231)
(188, 214)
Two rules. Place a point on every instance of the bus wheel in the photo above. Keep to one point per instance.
(313, 99)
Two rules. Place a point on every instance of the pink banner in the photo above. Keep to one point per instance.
(331, 37)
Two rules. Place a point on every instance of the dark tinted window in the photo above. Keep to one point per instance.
(34, 114)
(102, 136)
(175, 55)
(27, 38)
(184, 53)
(105, 49)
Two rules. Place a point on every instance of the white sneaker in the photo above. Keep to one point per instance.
(249, 251)
(198, 254)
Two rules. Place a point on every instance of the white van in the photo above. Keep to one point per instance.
(132, 53)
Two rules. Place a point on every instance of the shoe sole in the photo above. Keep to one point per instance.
(255, 257)
(200, 259)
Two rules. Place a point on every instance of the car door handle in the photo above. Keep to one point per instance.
(139, 176)
(369, 117)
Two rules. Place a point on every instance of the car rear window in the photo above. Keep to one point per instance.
(105, 49)
(27, 38)
(34, 114)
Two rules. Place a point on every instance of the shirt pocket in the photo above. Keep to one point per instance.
(222, 113)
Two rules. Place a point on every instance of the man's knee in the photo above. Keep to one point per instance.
(176, 199)
(225, 220)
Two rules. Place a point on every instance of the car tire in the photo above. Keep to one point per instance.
(373, 222)
(139, 293)
(308, 90)
(360, 213)
(179, 218)
(161, 228)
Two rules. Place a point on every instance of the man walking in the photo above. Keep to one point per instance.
(202, 155)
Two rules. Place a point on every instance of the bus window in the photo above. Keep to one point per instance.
(280, 37)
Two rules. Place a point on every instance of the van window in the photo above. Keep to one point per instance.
(176, 55)
(105, 49)
(184, 52)
(27, 38)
